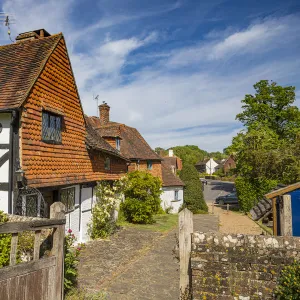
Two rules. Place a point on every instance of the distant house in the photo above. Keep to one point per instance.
(281, 209)
(130, 144)
(48, 152)
(172, 196)
(226, 164)
(207, 166)
(173, 162)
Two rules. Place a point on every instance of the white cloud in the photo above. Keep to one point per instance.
(258, 37)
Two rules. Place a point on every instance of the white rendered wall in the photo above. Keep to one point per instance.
(168, 197)
(5, 119)
(211, 166)
(86, 212)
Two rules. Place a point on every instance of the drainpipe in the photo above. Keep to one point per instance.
(11, 161)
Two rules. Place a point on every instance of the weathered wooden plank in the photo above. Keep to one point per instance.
(37, 243)
(57, 211)
(286, 228)
(13, 249)
(185, 245)
(26, 268)
(14, 227)
(274, 208)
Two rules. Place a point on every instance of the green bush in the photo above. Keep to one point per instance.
(249, 192)
(71, 261)
(5, 241)
(289, 283)
(137, 211)
(145, 187)
(142, 197)
(192, 192)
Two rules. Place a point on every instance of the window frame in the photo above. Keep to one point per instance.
(176, 195)
(149, 165)
(49, 134)
(118, 143)
(107, 164)
(67, 204)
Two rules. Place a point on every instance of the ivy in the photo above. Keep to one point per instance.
(5, 241)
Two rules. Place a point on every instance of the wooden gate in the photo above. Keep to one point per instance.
(41, 278)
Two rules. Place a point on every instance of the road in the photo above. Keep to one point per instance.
(214, 188)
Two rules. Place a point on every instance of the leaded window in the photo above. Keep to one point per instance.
(51, 130)
(67, 197)
(176, 195)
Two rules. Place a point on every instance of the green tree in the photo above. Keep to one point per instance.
(267, 150)
(190, 154)
(192, 193)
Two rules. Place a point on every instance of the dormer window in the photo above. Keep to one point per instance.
(51, 127)
(118, 144)
(107, 163)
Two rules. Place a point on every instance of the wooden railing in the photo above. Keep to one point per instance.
(41, 278)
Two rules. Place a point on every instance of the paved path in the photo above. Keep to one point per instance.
(216, 188)
(136, 264)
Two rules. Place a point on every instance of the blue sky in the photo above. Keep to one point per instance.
(175, 69)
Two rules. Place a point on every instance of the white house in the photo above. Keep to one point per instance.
(207, 166)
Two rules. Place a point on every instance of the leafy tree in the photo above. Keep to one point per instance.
(267, 150)
(272, 107)
(192, 193)
(190, 154)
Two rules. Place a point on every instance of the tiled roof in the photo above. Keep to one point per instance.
(201, 163)
(168, 178)
(20, 65)
(170, 161)
(133, 145)
(96, 142)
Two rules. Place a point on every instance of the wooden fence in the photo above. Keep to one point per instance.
(41, 278)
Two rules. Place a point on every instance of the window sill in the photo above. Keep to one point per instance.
(52, 142)
(176, 200)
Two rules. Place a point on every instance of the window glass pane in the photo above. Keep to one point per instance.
(149, 165)
(45, 126)
(58, 129)
(51, 127)
(67, 197)
(32, 205)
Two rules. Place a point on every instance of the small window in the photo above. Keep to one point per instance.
(149, 165)
(176, 195)
(67, 197)
(118, 144)
(51, 130)
(107, 163)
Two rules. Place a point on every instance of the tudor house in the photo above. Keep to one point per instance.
(131, 144)
(48, 151)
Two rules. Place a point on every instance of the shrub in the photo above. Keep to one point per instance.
(289, 283)
(146, 188)
(71, 261)
(137, 211)
(142, 198)
(5, 241)
(251, 191)
(108, 201)
(192, 192)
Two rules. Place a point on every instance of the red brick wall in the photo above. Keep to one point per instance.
(70, 162)
(229, 164)
(156, 168)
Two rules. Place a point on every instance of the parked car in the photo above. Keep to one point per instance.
(230, 198)
(203, 180)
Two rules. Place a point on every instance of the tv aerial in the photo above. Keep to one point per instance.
(96, 98)
(7, 20)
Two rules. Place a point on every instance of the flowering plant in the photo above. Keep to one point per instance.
(109, 196)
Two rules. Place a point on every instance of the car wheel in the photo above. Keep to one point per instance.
(221, 202)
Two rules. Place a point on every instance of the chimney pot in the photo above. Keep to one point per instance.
(104, 113)
(171, 153)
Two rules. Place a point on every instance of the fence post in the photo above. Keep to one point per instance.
(185, 245)
(286, 216)
(57, 211)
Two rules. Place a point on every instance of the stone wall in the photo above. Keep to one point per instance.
(239, 266)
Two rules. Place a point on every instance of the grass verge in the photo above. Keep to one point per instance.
(162, 223)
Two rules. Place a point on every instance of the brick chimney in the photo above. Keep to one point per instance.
(32, 35)
(104, 113)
